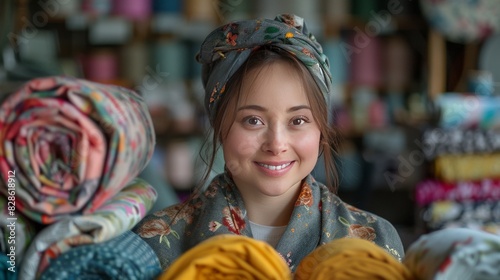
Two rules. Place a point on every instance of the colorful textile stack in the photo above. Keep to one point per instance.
(464, 155)
(70, 153)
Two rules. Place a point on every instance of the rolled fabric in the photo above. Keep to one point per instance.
(453, 168)
(227, 48)
(73, 144)
(479, 215)
(429, 191)
(229, 256)
(436, 142)
(351, 258)
(15, 230)
(457, 253)
(124, 257)
(113, 218)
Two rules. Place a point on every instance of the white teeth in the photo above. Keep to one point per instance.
(274, 167)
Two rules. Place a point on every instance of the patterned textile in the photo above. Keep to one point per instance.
(228, 47)
(124, 257)
(480, 215)
(114, 217)
(348, 259)
(429, 191)
(463, 20)
(467, 168)
(229, 257)
(15, 230)
(459, 253)
(73, 145)
(436, 142)
(319, 217)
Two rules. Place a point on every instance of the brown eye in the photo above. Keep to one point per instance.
(298, 121)
(253, 121)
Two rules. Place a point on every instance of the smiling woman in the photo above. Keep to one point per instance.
(266, 83)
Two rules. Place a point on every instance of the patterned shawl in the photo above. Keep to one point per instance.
(319, 216)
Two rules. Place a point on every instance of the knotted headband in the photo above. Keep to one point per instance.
(229, 46)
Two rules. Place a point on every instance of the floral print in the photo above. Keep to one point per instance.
(230, 45)
(319, 216)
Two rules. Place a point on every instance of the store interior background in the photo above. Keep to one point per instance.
(389, 65)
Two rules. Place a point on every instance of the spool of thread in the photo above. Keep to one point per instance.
(132, 9)
(179, 165)
(170, 58)
(398, 64)
(97, 7)
(170, 6)
(366, 66)
(100, 66)
(134, 59)
(201, 10)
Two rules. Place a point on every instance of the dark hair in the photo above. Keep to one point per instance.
(224, 115)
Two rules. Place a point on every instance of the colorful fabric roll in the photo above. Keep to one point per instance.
(113, 218)
(481, 215)
(351, 258)
(124, 257)
(459, 253)
(452, 168)
(430, 191)
(229, 257)
(15, 230)
(437, 142)
(73, 144)
(228, 47)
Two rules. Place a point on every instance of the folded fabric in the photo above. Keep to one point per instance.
(351, 258)
(113, 218)
(15, 230)
(429, 191)
(436, 142)
(458, 253)
(452, 168)
(480, 215)
(228, 256)
(124, 257)
(72, 144)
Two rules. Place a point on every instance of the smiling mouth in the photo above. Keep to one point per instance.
(274, 167)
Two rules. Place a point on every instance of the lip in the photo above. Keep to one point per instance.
(274, 173)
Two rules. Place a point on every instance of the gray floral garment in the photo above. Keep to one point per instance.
(319, 216)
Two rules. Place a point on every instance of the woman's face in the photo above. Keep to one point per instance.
(273, 142)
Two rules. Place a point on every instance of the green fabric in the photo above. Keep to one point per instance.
(228, 47)
(319, 216)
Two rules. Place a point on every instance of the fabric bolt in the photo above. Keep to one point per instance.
(351, 258)
(228, 47)
(318, 217)
(437, 142)
(73, 144)
(480, 215)
(458, 253)
(453, 168)
(117, 215)
(430, 190)
(229, 256)
(124, 257)
(14, 228)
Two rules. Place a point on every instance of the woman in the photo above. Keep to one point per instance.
(267, 84)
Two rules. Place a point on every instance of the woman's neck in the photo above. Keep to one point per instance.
(270, 211)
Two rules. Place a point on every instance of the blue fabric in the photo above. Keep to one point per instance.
(124, 257)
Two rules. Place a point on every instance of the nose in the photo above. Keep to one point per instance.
(275, 140)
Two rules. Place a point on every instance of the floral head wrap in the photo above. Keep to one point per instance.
(228, 47)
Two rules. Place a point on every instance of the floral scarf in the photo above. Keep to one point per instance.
(319, 216)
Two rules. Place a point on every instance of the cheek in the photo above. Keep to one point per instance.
(308, 144)
(240, 145)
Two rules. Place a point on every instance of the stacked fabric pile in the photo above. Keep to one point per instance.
(464, 153)
(70, 151)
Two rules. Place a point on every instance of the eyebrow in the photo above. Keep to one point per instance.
(262, 109)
